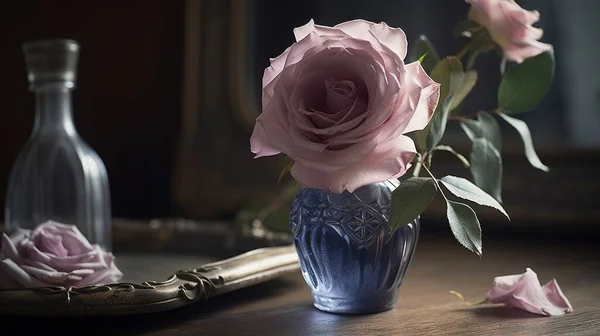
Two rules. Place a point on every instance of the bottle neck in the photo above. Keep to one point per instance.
(53, 110)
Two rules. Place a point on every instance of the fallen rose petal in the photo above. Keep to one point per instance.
(525, 292)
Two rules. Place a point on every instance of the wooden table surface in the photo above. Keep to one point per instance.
(283, 306)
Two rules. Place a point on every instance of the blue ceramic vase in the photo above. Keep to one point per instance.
(348, 257)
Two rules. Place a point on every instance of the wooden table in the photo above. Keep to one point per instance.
(283, 306)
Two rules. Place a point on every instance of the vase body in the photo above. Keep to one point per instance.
(57, 176)
(348, 256)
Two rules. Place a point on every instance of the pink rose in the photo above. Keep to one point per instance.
(54, 254)
(339, 102)
(524, 291)
(510, 26)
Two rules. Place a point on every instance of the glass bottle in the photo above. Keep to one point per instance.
(57, 176)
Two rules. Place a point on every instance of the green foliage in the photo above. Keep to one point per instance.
(485, 126)
(465, 226)
(449, 73)
(285, 170)
(459, 156)
(466, 28)
(486, 167)
(464, 189)
(524, 85)
(422, 50)
(422, 58)
(469, 82)
(410, 199)
(521, 89)
(525, 134)
(481, 42)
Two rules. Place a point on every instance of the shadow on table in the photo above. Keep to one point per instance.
(141, 324)
(501, 312)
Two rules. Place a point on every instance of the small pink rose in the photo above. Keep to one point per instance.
(524, 291)
(339, 102)
(54, 254)
(510, 26)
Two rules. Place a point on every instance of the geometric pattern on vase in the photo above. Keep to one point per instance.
(348, 257)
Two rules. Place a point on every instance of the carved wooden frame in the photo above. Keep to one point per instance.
(182, 288)
(261, 255)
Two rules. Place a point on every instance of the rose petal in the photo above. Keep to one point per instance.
(390, 159)
(393, 38)
(555, 295)
(260, 144)
(36, 263)
(51, 243)
(48, 278)
(13, 271)
(525, 49)
(19, 235)
(339, 94)
(275, 68)
(380, 35)
(310, 27)
(525, 292)
(9, 250)
(110, 274)
(427, 100)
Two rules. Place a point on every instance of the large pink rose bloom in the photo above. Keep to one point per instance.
(339, 102)
(510, 26)
(54, 254)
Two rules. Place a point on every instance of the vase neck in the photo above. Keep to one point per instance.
(53, 110)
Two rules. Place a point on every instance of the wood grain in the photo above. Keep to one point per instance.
(284, 307)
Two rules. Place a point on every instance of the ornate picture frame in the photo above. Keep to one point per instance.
(181, 288)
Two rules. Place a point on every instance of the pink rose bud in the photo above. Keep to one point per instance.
(525, 292)
(54, 254)
(510, 26)
(339, 102)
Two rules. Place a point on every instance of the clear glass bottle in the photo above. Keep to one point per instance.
(57, 176)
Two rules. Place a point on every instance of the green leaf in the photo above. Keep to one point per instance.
(286, 169)
(465, 28)
(486, 167)
(422, 47)
(420, 60)
(465, 226)
(466, 87)
(410, 199)
(480, 43)
(462, 159)
(465, 189)
(449, 73)
(524, 85)
(523, 130)
(486, 127)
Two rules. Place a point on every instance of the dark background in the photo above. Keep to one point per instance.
(169, 153)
